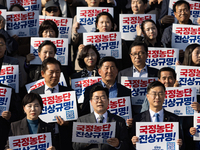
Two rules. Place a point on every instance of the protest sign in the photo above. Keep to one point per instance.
(107, 43)
(128, 23)
(196, 119)
(178, 100)
(138, 86)
(10, 76)
(93, 132)
(162, 57)
(61, 104)
(23, 23)
(183, 35)
(30, 141)
(64, 25)
(86, 16)
(5, 96)
(61, 49)
(188, 76)
(157, 135)
(29, 5)
(80, 84)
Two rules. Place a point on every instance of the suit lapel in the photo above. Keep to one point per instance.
(146, 116)
(24, 127)
(166, 117)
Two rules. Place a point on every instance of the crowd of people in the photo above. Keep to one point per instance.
(84, 61)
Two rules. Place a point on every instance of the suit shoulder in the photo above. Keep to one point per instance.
(65, 88)
(84, 118)
(38, 90)
(122, 72)
(76, 75)
(122, 87)
(172, 116)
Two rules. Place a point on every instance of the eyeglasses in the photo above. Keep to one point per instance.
(155, 94)
(139, 54)
(96, 98)
(51, 9)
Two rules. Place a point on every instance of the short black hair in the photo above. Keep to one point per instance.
(3, 37)
(107, 58)
(49, 60)
(47, 24)
(30, 97)
(83, 54)
(167, 69)
(144, 1)
(109, 16)
(138, 44)
(155, 84)
(99, 88)
(145, 21)
(46, 42)
(17, 5)
(180, 2)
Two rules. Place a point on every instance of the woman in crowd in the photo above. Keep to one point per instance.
(31, 124)
(192, 55)
(150, 32)
(105, 23)
(88, 60)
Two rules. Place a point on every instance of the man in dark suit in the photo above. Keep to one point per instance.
(99, 98)
(138, 53)
(51, 69)
(108, 71)
(156, 97)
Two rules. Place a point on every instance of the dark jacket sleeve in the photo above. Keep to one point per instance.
(11, 44)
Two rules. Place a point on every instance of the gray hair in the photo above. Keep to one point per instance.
(2, 18)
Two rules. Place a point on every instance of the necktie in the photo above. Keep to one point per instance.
(157, 117)
(51, 89)
(100, 119)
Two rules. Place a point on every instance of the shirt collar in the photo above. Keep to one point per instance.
(104, 116)
(152, 113)
(144, 69)
(47, 88)
(113, 86)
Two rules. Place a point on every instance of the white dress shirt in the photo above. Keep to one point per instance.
(105, 116)
(142, 73)
(152, 115)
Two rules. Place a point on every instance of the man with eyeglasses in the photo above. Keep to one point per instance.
(156, 97)
(138, 53)
(99, 99)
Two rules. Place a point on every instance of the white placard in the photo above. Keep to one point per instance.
(10, 76)
(107, 43)
(157, 135)
(138, 86)
(5, 96)
(80, 84)
(128, 23)
(162, 57)
(23, 23)
(64, 25)
(30, 141)
(80, 132)
(61, 47)
(178, 100)
(61, 104)
(86, 16)
(196, 137)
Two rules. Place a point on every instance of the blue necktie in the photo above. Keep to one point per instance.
(157, 117)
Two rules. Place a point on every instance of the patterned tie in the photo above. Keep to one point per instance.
(51, 89)
(100, 119)
(157, 117)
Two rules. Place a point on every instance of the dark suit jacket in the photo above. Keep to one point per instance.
(21, 128)
(122, 91)
(145, 117)
(152, 72)
(78, 75)
(121, 133)
(65, 132)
